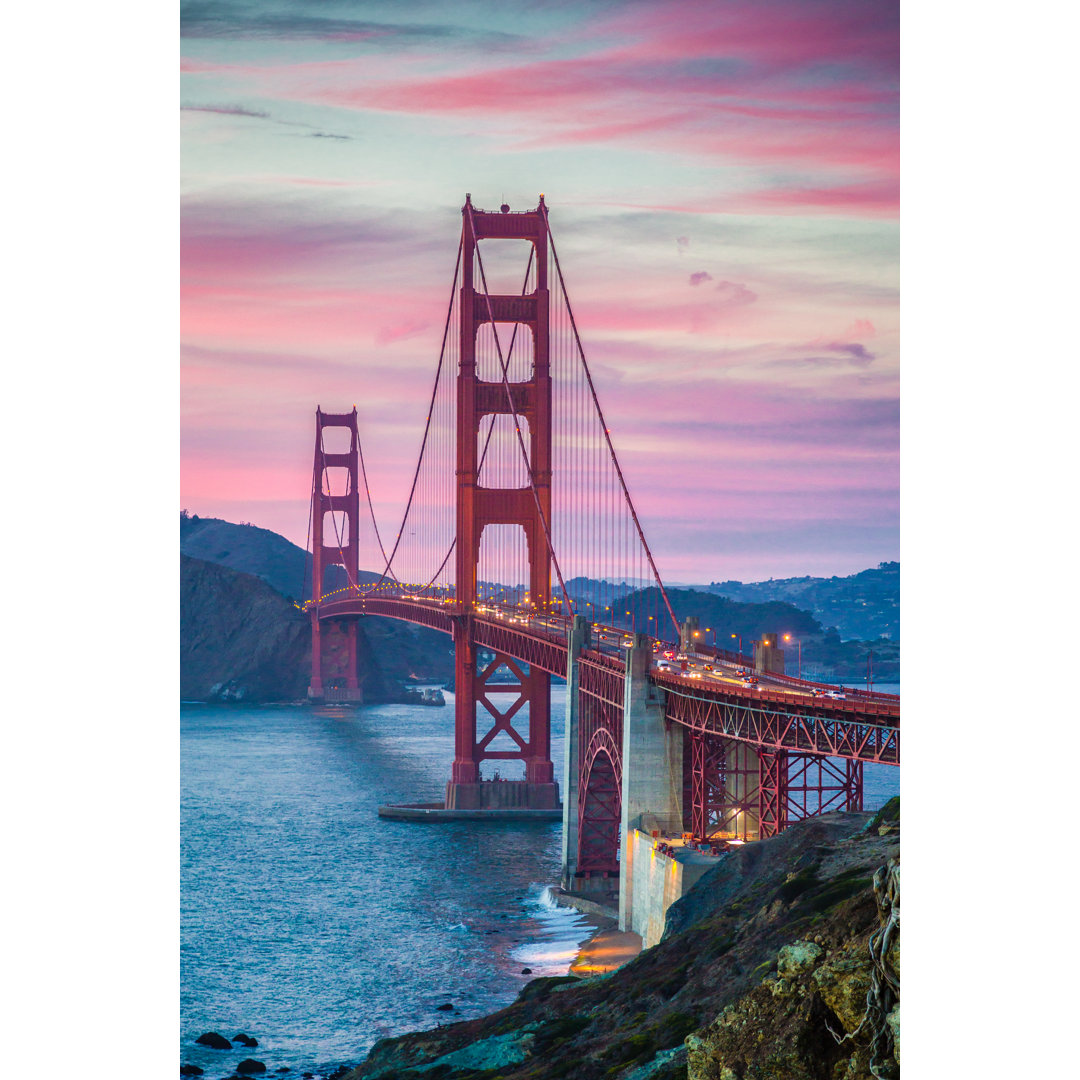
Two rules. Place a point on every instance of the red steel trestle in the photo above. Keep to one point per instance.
(734, 790)
(600, 766)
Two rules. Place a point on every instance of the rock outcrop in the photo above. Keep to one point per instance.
(214, 1040)
(765, 969)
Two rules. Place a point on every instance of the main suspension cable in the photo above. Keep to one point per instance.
(427, 426)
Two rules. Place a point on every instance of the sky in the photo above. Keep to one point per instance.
(723, 186)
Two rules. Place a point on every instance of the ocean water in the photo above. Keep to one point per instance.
(317, 927)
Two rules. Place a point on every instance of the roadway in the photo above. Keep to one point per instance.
(700, 667)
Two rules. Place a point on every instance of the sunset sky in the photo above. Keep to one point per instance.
(723, 185)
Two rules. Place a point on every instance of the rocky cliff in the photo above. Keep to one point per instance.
(241, 640)
(765, 970)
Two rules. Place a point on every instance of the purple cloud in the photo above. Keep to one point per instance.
(699, 277)
(733, 294)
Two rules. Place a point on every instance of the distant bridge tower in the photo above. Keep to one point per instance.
(479, 506)
(333, 641)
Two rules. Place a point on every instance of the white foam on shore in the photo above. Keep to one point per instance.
(562, 933)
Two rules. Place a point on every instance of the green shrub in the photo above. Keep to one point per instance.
(888, 814)
(802, 881)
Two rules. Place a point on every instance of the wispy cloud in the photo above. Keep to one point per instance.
(227, 110)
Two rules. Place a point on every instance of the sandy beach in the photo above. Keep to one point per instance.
(605, 951)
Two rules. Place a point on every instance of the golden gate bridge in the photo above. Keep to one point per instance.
(520, 540)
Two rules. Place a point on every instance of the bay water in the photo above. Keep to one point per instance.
(317, 927)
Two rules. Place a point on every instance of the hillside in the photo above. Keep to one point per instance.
(825, 655)
(727, 617)
(241, 640)
(405, 653)
(863, 606)
(251, 550)
(798, 606)
(764, 956)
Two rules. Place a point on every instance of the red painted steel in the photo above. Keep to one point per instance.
(600, 703)
(478, 507)
(338, 552)
(768, 725)
(817, 785)
(772, 792)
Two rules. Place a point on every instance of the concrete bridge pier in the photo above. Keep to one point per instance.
(578, 638)
(652, 772)
(689, 633)
(768, 656)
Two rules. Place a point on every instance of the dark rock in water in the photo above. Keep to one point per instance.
(245, 1040)
(190, 1070)
(249, 1066)
(214, 1041)
(446, 1006)
(309, 1076)
(526, 971)
(339, 1072)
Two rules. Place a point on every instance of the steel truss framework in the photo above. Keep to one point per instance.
(771, 727)
(502, 718)
(600, 705)
(547, 653)
(817, 785)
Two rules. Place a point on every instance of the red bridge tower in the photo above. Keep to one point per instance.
(479, 506)
(333, 641)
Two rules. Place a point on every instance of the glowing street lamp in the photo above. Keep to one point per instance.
(788, 637)
(739, 636)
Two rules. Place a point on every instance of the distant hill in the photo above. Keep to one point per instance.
(824, 656)
(863, 606)
(241, 630)
(241, 640)
(725, 616)
(251, 550)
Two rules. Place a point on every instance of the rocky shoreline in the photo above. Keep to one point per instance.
(765, 969)
(782, 962)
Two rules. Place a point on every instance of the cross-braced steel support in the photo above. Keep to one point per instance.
(817, 785)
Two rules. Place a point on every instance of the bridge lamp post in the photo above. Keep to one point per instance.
(798, 641)
(739, 636)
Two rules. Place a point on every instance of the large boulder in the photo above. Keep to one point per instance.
(249, 1067)
(214, 1041)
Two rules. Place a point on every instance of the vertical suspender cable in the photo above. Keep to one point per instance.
(607, 434)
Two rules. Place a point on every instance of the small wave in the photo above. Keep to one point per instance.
(458, 926)
(547, 900)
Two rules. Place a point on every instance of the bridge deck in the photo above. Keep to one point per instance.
(781, 712)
